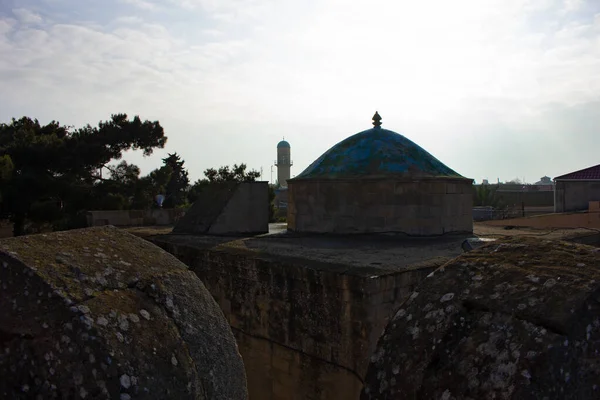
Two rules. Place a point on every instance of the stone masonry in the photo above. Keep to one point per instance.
(426, 207)
(307, 312)
(100, 314)
(515, 319)
(228, 208)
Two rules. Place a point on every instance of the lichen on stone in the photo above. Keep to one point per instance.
(515, 319)
(85, 317)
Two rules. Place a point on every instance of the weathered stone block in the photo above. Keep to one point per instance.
(500, 311)
(335, 201)
(99, 313)
(228, 208)
(321, 311)
(437, 187)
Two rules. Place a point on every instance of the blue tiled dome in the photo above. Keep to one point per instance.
(283, 144)
(374, 153)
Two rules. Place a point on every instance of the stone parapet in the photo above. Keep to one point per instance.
(305, 328)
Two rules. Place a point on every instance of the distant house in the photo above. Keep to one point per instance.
(545, 183)
(575, 190)
(544, 180)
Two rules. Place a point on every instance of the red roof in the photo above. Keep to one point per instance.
(591, 173)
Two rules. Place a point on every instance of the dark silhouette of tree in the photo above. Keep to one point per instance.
(237, 173)
(178, 183)
(55, 169)
(6, 167)
(117, 191)
(486, 195)
(124, 174)
(6, 170)
(144, 192)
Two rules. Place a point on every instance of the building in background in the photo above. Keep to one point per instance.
(575, 190)
(544, 184)
(283, 163)
(284, 166)
(378, 181)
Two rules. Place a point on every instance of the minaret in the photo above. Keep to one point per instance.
(283, 163)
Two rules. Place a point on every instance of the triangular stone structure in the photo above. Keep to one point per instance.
(228, 208)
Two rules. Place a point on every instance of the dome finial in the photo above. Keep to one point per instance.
(377, 120)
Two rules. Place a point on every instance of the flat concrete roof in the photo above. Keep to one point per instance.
(364, 255)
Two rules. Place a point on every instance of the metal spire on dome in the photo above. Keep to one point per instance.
(376, 120)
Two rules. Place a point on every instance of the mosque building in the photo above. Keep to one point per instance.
(378, 181)
(283, 163)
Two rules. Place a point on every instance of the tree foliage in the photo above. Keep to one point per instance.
(178, 182)
(237, 173)
(52, 174)
(514, 181)
(485, 195)
(6, 167)
(52, 171)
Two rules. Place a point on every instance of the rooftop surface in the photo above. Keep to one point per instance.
(358, 255)
(376, 152)
(592, 173)
(366, 256)
(283, 144)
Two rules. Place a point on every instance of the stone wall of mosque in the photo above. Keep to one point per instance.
(414, 207)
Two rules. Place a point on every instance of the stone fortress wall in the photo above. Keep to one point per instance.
(305, 329)
(164, 217)
(98, 313)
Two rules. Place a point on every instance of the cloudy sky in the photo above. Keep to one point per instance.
(493, 88)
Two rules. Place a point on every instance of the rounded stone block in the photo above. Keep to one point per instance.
(516, 319)
(101, 314)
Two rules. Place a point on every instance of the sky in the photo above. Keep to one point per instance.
(495, 89)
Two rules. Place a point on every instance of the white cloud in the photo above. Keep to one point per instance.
(572, 5)
(6, 25)
(228, 78)
(26, 16)
(238, 12)
(213, 6)
(212, 32)
(131, 19)
(143, 4)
